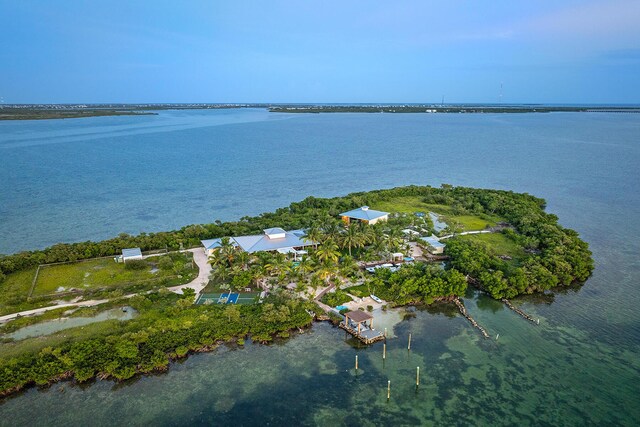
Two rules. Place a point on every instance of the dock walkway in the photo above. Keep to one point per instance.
(366, 336)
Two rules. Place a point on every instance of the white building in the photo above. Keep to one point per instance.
(131, 254)
(364, 215)
(273, 239)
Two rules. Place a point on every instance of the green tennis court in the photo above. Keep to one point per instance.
(229, 298)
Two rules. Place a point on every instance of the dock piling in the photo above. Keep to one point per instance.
(384, 351)
(388, 389)
(356, 363)
(409, 345)
(417, 376)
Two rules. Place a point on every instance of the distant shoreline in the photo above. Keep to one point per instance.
(67, 111)
(49, 114)
(463, 109)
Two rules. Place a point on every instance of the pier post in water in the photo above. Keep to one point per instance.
(356, 363)
(384, 351)
(417, 376)
(385, 332)
(409, 345)
(388, 389)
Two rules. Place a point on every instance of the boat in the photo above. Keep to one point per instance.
(376, 299)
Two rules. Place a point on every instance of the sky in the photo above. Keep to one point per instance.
(481, 51)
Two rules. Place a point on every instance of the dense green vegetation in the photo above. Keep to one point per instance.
(416, 283)
(499, 244)
(554, 255)
(167, 328)
(334, 299)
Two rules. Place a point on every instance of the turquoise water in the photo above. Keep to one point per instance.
(93, 178)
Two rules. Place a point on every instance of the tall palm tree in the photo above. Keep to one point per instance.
(328, 251)
(326, 270)
(352, 237)
(243, 259)
(314, 234)
(227, 249)
(331, 227)
(305, 266)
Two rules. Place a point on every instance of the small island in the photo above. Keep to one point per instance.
(260, 278)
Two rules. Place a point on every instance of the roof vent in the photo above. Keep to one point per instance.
(365, 208)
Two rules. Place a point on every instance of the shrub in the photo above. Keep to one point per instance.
(136, 264)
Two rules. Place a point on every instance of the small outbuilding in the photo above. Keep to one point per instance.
(364, 215)
(131, 254)
(436, 247)
(355, 319)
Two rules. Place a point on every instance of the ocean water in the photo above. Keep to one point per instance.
(94, 178)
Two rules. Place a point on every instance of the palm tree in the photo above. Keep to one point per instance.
(331, 228)
(243, 259)
(328, 251)
(352, 237)
(227, 249)
(314, 234)
(326, 270)
(305, 266)
(393, 239)
(277, 265)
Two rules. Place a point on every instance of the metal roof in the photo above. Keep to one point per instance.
(263, 242)
(216, 243)
(364, 213)
(274, 230)
(433, 241)
(131, 253)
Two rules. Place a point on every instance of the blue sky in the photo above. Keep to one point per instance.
(320, 51)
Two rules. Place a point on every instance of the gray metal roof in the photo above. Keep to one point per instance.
(299, 233)
(364, 213)
(263, 242)
(274, 230)
(216, 243)
(131, 253)
(433, 241)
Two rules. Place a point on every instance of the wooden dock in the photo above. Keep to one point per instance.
(355, 323)
(367, 336)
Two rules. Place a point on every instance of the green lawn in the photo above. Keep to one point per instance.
(93, 274)
(411, 204)
(14, 290)
(56, 281)
(499, 243)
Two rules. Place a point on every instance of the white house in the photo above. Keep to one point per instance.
(131, 254)
(436, 247)
(364, 215)
(272, 239)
